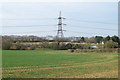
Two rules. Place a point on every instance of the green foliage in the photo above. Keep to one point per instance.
(54, 46)
(90, 40)
(83, 39)
(69, 46)
(106, 39)
(98, 39)
(33, 47)
(63, 46)
(111, 44)
(20, 46)
(6, 44)
(115, 39)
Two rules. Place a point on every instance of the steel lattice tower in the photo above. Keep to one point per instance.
(60, 25)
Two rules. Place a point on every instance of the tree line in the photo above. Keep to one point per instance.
(15, 43)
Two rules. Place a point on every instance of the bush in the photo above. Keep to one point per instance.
(111, 44)
(63, 46)
(69, 46)
(57, 46)
(6, 44)
(20, 46)
(33, 47)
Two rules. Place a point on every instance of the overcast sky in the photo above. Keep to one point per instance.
(59, 0)
(40, 18)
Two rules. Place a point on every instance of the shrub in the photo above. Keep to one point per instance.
(111, 44)
(6, 44)
(20, 46)
(69, 46)
(33, 47)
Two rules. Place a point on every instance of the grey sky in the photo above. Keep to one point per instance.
(82, 19)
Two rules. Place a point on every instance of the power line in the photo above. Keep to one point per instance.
(60, 25)
(28, 32)
(54, 31)
(68, 25)
(28, 26)
(86, 32)
(93, 28)
(56, 19)
(30, 19)
(47, 31)
(92, 21)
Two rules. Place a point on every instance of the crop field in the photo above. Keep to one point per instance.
(58, 64)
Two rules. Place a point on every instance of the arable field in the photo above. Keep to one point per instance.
(58, 64)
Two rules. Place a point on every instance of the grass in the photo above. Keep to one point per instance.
(58, 64)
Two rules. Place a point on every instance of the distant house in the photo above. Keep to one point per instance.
(102, 42)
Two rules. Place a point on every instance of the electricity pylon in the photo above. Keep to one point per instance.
(60, 25)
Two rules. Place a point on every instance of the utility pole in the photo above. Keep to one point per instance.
(60, 25)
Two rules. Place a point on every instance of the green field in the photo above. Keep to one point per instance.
(58, 64)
